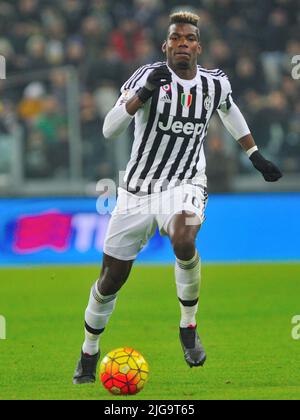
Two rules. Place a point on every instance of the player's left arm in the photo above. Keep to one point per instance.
(237, 126)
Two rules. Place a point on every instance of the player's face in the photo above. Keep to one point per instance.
(182, 46)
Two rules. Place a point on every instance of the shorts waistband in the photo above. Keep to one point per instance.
(139, 193)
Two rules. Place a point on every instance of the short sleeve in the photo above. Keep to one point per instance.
(130, 87)
(125, 96)
(226, 94)
(137, 80)
(133, 84)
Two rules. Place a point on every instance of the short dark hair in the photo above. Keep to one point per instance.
(185, 17)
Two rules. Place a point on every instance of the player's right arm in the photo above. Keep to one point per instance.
(119, 118)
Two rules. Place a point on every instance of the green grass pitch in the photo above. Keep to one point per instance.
(245, 324)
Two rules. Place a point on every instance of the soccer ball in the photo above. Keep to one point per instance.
(124, 371)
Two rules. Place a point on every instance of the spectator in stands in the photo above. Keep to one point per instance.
(125, 39)
(220, 166)
(252, 41)
(290, 148)
(58, 87)
(36, 163)
(97, 163)
(31, 106)
(52, 125)
(36, 53)
(247, 75)
(51, 120)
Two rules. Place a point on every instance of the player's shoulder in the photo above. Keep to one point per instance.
(152, 65)
(213, 73)
(217, 76)
(141, 74)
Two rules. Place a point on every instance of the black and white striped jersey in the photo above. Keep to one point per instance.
(171, 128)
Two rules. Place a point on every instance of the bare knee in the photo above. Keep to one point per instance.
(183, 237)
(183, 245)
(114, 275)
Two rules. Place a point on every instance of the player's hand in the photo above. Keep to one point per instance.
(157, 78)
(269, 171)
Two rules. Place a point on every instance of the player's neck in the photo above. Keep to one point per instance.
(185, 74)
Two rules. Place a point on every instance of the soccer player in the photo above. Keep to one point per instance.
(172, 103)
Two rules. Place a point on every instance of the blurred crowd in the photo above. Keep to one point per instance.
(253, 41)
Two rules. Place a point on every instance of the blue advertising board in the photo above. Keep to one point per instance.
(239, 228)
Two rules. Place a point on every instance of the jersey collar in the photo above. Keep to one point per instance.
(184, 82)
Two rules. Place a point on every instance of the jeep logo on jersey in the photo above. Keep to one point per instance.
(179, 127)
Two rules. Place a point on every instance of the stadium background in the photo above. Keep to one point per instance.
(65, 62)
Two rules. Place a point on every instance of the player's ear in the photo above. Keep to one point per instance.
(164, 47)
(200, 49)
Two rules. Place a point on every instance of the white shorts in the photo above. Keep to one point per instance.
(135, 219)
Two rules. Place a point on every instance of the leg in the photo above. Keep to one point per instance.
(101, 305)
(187, 268)
(128, 230)
(103, 300)
(183, 236)
(114, 275)
(188, 273)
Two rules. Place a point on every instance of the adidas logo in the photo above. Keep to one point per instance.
(166, 99)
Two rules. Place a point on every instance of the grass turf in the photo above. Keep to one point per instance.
(245, 324)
